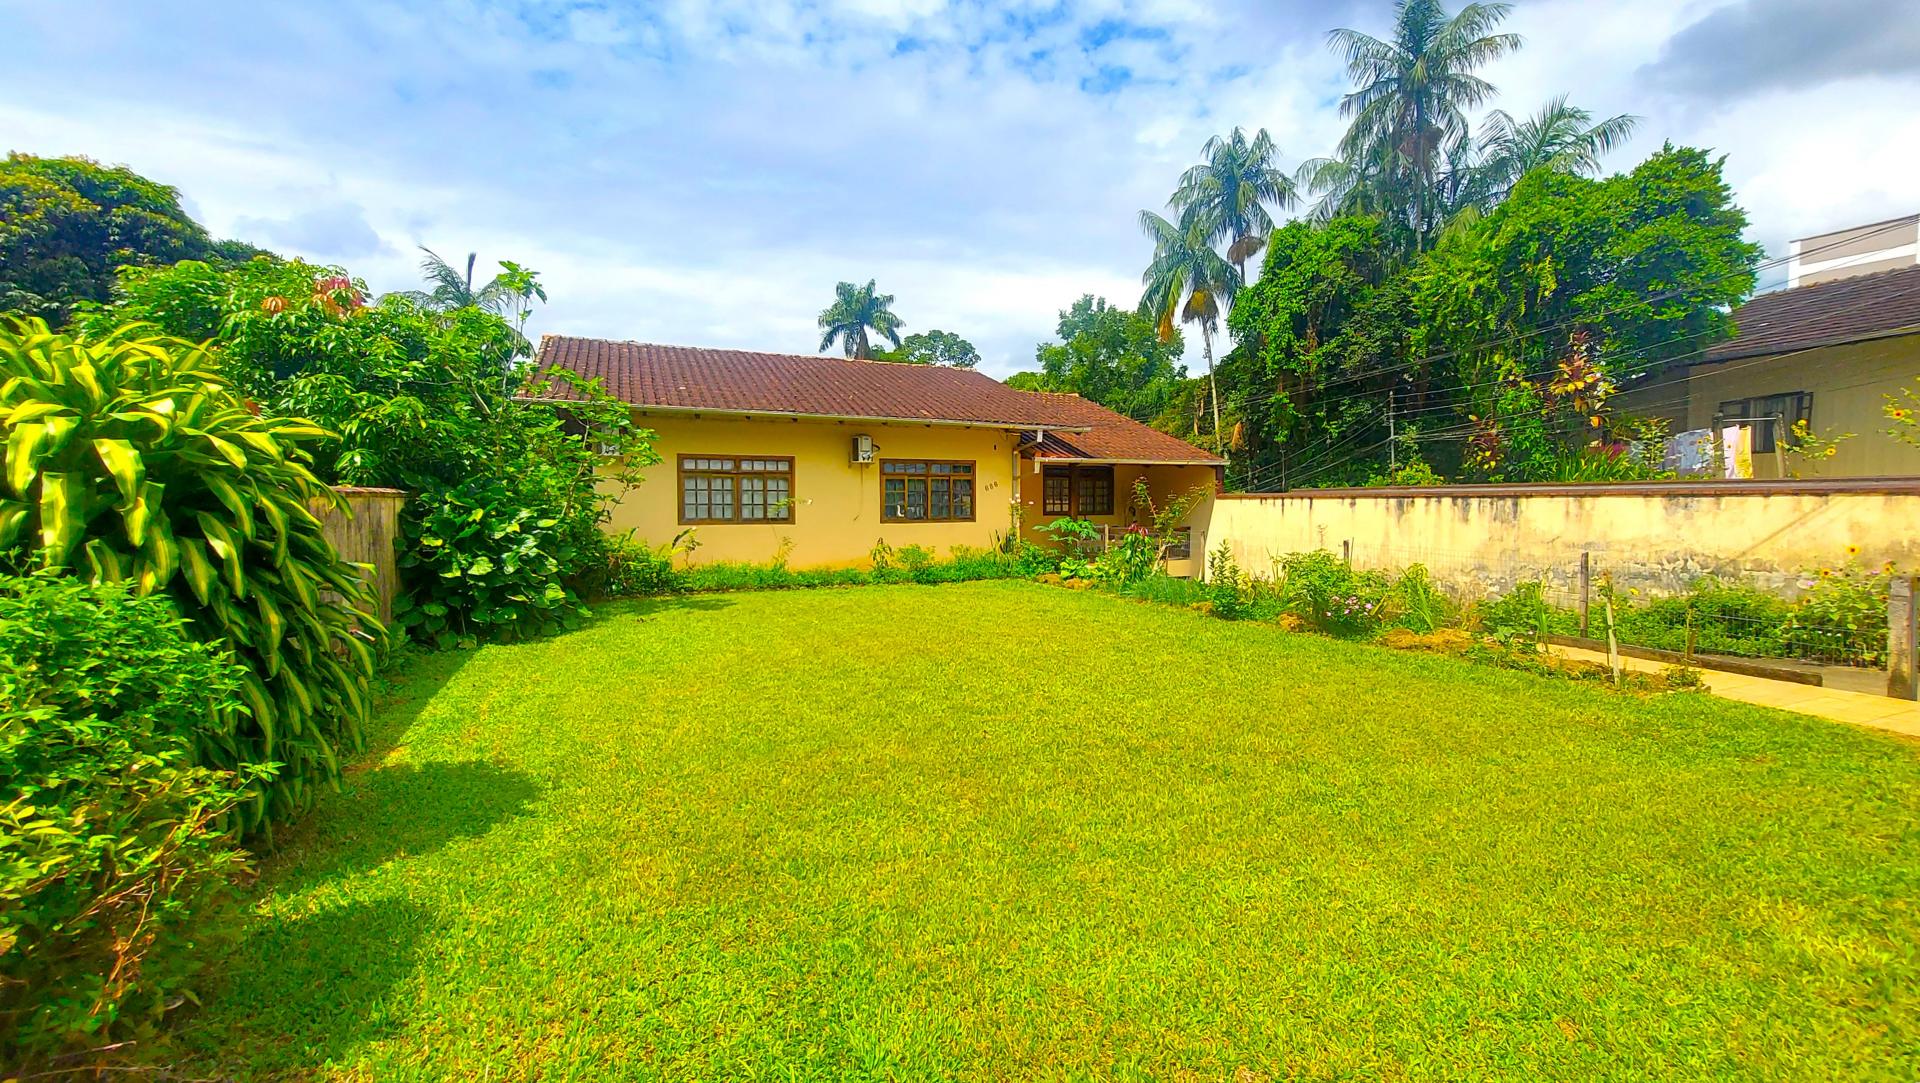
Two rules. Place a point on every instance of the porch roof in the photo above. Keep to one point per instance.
(1112, 438)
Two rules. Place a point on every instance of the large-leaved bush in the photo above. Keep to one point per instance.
(129, 459)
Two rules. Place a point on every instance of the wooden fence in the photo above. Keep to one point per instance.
(367, 532)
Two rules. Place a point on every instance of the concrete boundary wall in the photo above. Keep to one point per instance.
(1657, 536)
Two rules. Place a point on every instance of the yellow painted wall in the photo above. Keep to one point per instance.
(1849, 385)
(836, 503)
(1660, 543)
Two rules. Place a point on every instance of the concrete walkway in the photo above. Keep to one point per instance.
(1858, 708)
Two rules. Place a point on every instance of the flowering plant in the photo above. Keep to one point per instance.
(1843, 615)
(1322, 590)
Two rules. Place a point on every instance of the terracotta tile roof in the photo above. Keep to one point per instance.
(1112, 437)
(744, 381)
(1826, 314)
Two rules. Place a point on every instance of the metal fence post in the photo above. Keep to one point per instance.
(1903, 645)
(1346, 552)
(1586, 588)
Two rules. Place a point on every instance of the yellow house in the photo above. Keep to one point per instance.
(818, 459)
(1828, 354)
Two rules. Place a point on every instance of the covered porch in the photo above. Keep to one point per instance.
(1104, 492)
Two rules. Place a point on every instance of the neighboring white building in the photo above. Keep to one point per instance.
(1861, 250)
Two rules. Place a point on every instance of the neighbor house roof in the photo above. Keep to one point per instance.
(692, 379)
(1827, 314)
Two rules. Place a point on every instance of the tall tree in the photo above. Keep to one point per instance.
(1226, 195)
(856, 310)
(68, 224)
(1112, 356)
(1567, 266)
(1560, 137)
(935, 347)
(1408, 107)
(1187, 282)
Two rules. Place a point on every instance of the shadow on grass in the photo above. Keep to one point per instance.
(399, 811)
(657, 604)
(302, 991)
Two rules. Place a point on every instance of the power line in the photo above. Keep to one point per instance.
(1467, 429)
(1521, 336)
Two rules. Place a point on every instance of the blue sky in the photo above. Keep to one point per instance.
(704, 172)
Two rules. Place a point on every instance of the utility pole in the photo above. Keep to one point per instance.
(1393, 443)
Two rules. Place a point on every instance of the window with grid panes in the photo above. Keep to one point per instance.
(1056, 492)
(1093, 490)
(926, 490)
(736, 489)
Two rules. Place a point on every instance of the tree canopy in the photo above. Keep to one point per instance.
(1113, 356)
(427, 399)
(1475, 349)
(934, 347)
(68, 224)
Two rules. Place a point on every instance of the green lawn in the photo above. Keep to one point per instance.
(1006, 831)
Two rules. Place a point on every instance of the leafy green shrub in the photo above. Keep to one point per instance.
(1073, 537)
(1030, 559)
(1229, 589)
(1684, 679)
(1414, 603)
(1523, 615)
(913, 559)
(110, 848)
(129, 459)
(1126, 561)
(1326, 593)
(1726, 618)
(968, 564)
(482, 566)
(634, 568)
(432, 400)
(1843, 615)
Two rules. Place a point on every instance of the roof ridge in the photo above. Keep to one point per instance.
(760, 353)
(1845, 280)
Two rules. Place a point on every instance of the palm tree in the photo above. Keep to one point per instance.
(1226, 195)
(453, 287)
(1187, 282)
(854, 310)
(1560, 137)
(1409, 105)
(1349, 186)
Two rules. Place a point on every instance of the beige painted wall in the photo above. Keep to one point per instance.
(1485, 538)
(836, 503)
(1849, 385)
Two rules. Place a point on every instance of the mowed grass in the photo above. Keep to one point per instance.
(1006, 831)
